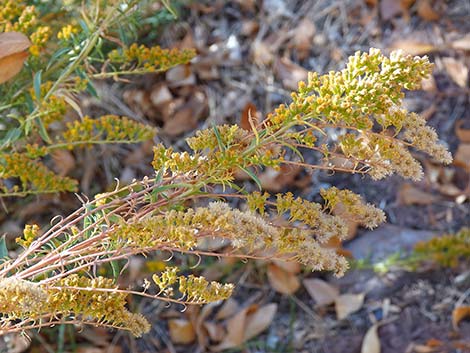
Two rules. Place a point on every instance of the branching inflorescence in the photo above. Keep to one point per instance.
(178, 208)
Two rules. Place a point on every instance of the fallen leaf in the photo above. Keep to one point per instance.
(12, 43)
(235, 332)
(276, 180)
(322, 292)
(11, 65)
(186, 117)
(181, 75)
(249, 113)
(458, 314)
(229, 308)
(426, 12)
(303, 37)
(282, 281)
(462, 133)
(457, 71)
(259, 320)
(413, 47)
(215, 331)
(64, 161)
(288, 266)
(410, 195)
(347, 304)
(371, 342)
(341, 211)
(181, 331)
(160, 94)
(289, 73)
(261, 53)
(462, 43)
(462, 156)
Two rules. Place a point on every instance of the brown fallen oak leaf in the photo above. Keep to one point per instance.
(181, 331)
(13, 53)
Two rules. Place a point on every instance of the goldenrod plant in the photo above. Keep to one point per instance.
(65, 47)
(188, 199)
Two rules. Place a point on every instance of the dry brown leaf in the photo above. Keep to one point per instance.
(303, 37)
(462, 133)
(457, 71)
(371, 342)
(11, 65)
(276, 180)
(462, 43)
(181, 75)
(322, 292)
(410, 195)
(229, 308)
(12, 43)
(413, 47)
(426, 12)
(181, 331)
(289, 73)
(235, 332)
(261, 53)
(288, 266)
(458, 314)
(216, 331)
(282, 281)
(249, 113)
(259, 320)
(160, 94)
(346, 304)
(462, 156)
(64, 161)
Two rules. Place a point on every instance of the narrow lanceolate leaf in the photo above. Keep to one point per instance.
(3, 249)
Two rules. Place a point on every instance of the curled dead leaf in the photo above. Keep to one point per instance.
(462, 156)
(458, 314)
(289, 73)
(457, 71)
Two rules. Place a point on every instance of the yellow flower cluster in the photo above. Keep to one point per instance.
(39, 39)
(105, 129)
(181, 230)
(92, 301)
(33, 175)
(67, 31)
(150, 59)
(30, 232)
(52, 109)
(194, 289)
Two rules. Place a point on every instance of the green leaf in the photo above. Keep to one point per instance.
(37, 85)
(42, 131)
(252, 176)
(3, 248)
